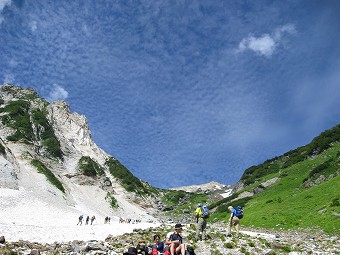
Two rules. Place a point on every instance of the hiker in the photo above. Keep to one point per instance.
(233, 221)
(175, 241)
(80, 220)
(142, 248)
(131, 251)
(158, 246)
(201, 222)
(92, 219)
(87, 220)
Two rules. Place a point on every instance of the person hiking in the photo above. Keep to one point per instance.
(201, 222)
(158, 246)
(92, 219)
(233, 221)
(87, 220)
(80, 220)
(175, 241)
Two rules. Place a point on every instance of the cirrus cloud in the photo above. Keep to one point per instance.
(3, 4)
(266, 44)
(56, 92)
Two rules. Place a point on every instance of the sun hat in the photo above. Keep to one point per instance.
(131, 251)
(199, 205)
(178, 226)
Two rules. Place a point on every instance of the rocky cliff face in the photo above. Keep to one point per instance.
(36, 135)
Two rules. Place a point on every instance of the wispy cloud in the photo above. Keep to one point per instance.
(3, 4)
(266, 44)
(56, 92)
(9, 78)
(33, 25)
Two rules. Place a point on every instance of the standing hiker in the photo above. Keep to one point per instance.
(92, 219)
(80, 220)
(87, 220)
(234, 219)
(201, 215)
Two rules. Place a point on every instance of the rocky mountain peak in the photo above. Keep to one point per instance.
(45, 143)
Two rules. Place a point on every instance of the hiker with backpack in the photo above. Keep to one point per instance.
(234, 220)
(175, 241)
(201, 216)
(80, 220)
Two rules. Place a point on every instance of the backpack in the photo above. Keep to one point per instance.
(205, 212)
(190, 251)
(239, 212)
(142, 248)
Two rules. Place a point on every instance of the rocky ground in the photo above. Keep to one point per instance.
(250, 241)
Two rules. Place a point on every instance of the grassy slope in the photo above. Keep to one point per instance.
(286, 204)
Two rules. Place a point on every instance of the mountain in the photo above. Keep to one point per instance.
(49, 160)
(50, 166)
(299, 189)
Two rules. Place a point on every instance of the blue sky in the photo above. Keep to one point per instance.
(182, 92)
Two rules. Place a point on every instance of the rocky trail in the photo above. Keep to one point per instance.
(250, 241)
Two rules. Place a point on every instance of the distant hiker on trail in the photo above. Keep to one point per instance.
(234, 220)
(92, 219)
(87, 220)
(175, 241)
(158, 246)
(80, 222)
(201, 220)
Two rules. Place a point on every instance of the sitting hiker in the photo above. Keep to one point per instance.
(175, 241)
(142, 248)
(131, 251)
(158, 246)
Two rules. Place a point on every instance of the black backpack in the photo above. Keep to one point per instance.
(142, 248)
(190, 251)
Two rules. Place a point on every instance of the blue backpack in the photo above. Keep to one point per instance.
(205, 212)
(239, 212)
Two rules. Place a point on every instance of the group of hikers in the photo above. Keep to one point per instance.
(87, 220)
(174, 244)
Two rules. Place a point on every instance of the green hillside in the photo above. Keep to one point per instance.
(306, 193)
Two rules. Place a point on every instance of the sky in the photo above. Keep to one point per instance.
(182, 92)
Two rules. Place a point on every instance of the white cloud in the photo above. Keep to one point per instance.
(266, 44)
(3, 4)
(33, 25)
(56, 92)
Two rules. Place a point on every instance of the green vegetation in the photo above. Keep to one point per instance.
(112, 200)
(49, 175)
(317, 146)
(287, 203)
(182, 201)
(45, 133)
(18, 118)
(89, 167)
(22, 121)
(128, 180)
(2, 149)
